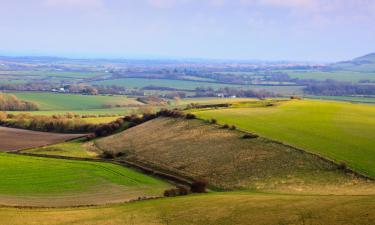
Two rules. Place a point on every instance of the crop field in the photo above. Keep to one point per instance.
(32, 181)
(211, 209)
(44, 73)
(341, 131)
(348, 76)
(56, 102)
(194, 149)
(369, 100)
(17, 139)
(191, 85)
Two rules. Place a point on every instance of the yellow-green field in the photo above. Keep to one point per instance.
(47, 182)
(211, 209)
(337, 130)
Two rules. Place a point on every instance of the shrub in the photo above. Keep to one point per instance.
(342, 166)
(108, 155)
(233, 127)
(225, 126)
(190, 116)
(183, 190)
(171, 192)
(213, 121)
(296, 98)
(179, 191)
(199, 186)
(249, 136)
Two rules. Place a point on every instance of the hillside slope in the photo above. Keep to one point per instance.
(196, 149)
(364, 63)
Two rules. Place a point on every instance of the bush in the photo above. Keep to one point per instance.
(249, 136)
(225, 126)
(199, 186)
(190, 116)
(108, 155)
(179, 191)
(213, 121)
(342, 166)
(233, 127)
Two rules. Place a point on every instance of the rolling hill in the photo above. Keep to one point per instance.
(193, 148)
(364, 63)
(44, 182)
(337, 130)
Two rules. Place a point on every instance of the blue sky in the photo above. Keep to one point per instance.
(314, 30)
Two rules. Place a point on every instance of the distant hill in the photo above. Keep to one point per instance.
(364, 63)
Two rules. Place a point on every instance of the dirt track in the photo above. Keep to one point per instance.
(16, 139)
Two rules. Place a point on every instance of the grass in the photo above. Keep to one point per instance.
(354, 99)
(109, 112)
(76, 148)
(42, 73)
(23, 178)
(337, 130)
(65, 102)
(210, 209)
(349, 76)
(195, 149)
(98, 120)
(191, 85)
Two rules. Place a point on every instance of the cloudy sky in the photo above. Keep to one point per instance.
(315, 30)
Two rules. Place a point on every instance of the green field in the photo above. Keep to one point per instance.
(28, 180)
(211, 209)
(335, 75)
(65, 102)
(191, 85)
(337, 130)
(76, 148)
(45, 73)
(346, 98)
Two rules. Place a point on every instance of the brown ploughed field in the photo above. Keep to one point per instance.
(16, 139)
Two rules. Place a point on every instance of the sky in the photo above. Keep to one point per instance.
(302, 30)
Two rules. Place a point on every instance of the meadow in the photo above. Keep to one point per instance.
(354, 99)
(76, 148)
(33, 181)
(343, 132)
(348, 76)
(56, 101)
(211, 209)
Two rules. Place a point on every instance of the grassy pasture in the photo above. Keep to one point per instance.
(337, 130)
(17, 139)
(77, 148)
(353, 99)
(45, 73)
(350, 76)
(65, 102)
(47, 182)
(211, 209)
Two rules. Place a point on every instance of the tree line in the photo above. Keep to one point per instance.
(334, 88)
(9, 102)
